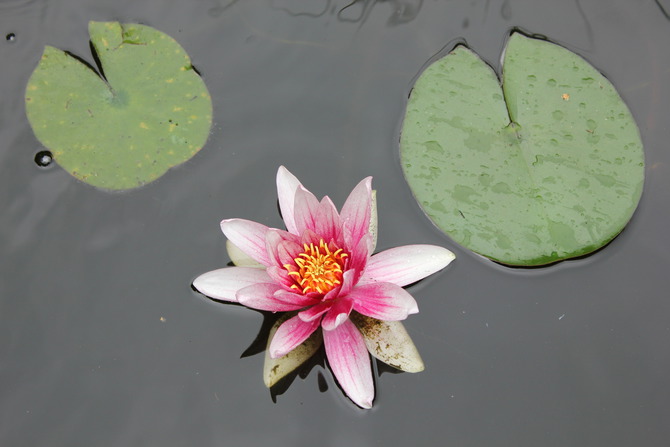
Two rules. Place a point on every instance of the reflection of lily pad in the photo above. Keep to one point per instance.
(547, 167)
(151, 111)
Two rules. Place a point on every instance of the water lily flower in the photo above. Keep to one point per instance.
(322, 269)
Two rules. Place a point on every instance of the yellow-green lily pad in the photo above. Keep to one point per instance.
(546, 167)
(147, 111)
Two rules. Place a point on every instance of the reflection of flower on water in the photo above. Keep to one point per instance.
(321, 272)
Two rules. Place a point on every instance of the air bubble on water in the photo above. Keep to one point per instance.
(11, 37)
(43, 159)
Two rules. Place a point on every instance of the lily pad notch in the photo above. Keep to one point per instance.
(543, 165)
(149, 113)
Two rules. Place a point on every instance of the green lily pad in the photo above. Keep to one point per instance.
(547, 167)
(151, 110)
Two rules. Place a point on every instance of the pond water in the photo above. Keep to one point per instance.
(103, 341)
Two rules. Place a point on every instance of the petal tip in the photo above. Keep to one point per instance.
(366, 404)
(447, 256)
(330, 324)
(218, 285)
(197, 284)
(340, 319)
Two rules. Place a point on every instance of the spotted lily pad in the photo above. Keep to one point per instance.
(546, 167)
(148, 112)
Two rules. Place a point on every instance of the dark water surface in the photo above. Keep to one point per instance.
(103, 342)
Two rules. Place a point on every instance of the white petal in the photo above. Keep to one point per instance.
(276, 369)
(240, 258)
(287, 185)
(389, 342)
(223, 284)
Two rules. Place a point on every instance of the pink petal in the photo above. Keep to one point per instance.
(349, 359)
(314, 312)
(287, 184)
(334, 293)
(306, 210)
(287, 251)
(407, 264)
(295, 298)
(355, 265)
(249, 237)
(261, 297)
(328, 221)
(383, 301)
(276, 242)
(276, 369)
(358, 257)
(240, 258)
(309, 237)
(224, 283)
(290, 334)
(280, 276)
(348, 283)
(272, 240)
(355, 215)
(337, 314)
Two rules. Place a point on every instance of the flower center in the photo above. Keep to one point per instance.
(317, 268)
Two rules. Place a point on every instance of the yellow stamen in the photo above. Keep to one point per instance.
(317, 269)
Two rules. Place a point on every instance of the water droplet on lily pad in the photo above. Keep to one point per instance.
(149, 113)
